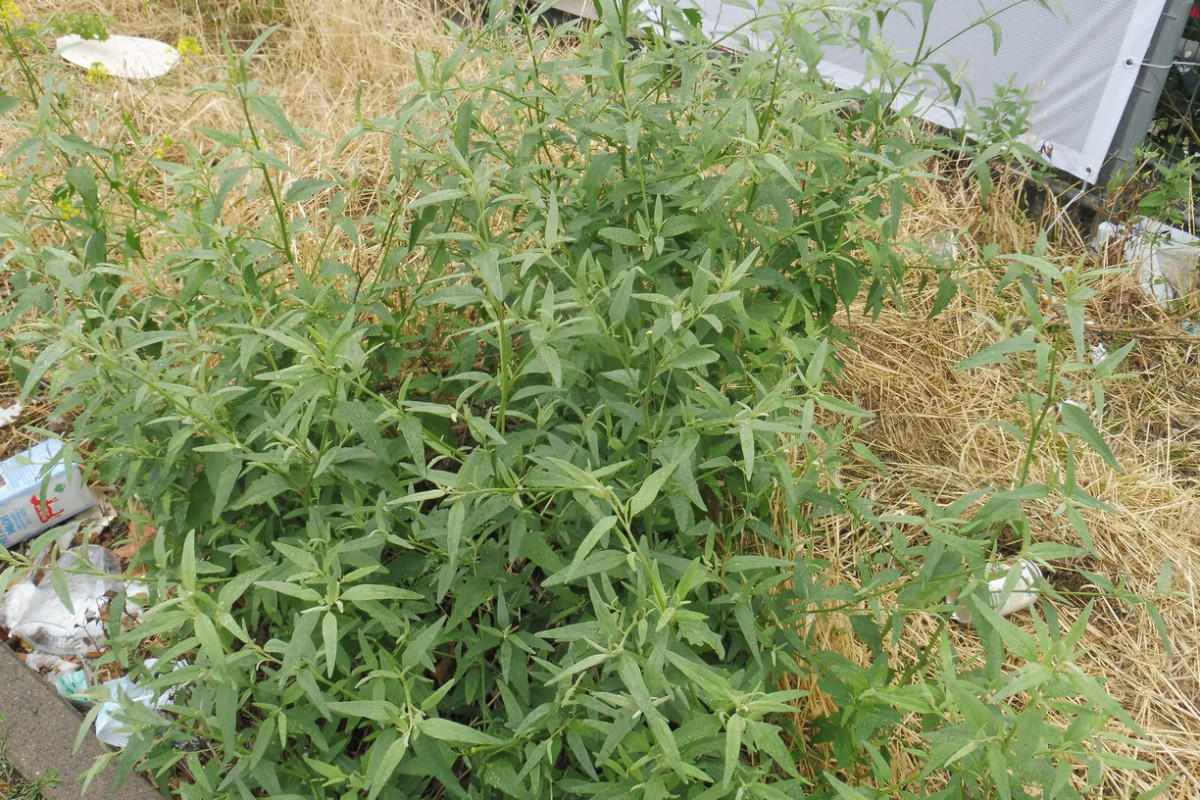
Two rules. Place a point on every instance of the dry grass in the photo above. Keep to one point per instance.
(932, 433)
(336, 62)
(332, 63)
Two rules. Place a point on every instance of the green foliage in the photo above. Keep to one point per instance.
(14, 787)
(505, 510)
(1157, 188)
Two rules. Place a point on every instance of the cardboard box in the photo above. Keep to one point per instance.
(30, 503)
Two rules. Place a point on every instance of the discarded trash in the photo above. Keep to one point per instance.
(121, 56)
(36, 614)
(49, 666)
(112, 731)
(67, 676)
(1006, 598)
(24, 509)
(1166, 258)
(9, 415)
(942, 247)
(63, 611)
(72, 686)
(88, 525)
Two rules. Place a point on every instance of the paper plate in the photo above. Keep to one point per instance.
(122, 56)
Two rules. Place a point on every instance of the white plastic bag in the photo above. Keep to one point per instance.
(36, 614)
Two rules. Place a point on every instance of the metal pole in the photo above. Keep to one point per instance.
(1147, 90)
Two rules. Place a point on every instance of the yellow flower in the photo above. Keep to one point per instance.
(9, 12)
(161, 151)
(189, 46)
(97, 72)
(67, 208)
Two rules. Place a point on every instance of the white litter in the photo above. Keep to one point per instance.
(50, 666)
(120, 56)
(10, 415)
(36, 614)
(1165, 258)
(113, 731)
(1008, 593)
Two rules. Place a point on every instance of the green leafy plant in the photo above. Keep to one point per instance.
(505, 509)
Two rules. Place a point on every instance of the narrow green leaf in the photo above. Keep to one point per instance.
(1049, 551)
(418, 497)
(580, 666)
(381, 776)
(222, 471)
(621, 236)
(947, 288)
(454, 532)
(378, 710)
(420, 647)
(600, 561)
(746, 437)
(306, 189)
(457, 733)
(292, 590)
(329, 638)
(1080, 526)
(488, 265)
(846, 791)
(839, 406)
(374, 591)
(998, 353)
(735, 726)
(650, 488)
(1078, 421)
(693, 357)
(602, 527)
(437, 197)
(187, 562)
(210, 641)
(264, 488)
(784, 171)
(631, 676)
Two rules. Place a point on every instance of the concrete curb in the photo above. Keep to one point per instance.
(39, 729)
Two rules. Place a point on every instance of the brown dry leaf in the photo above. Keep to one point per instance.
(140, 535)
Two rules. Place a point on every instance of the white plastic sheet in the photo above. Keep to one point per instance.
(1076, 60)
(120, 56)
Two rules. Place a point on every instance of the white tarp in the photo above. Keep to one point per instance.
(1075, 60)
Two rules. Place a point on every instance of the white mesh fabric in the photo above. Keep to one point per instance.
(1076, 60)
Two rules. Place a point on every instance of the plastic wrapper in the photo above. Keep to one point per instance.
(109, 728)
(31, 502)
(35, 613)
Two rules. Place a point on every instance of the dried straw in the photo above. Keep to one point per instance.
(932, 432)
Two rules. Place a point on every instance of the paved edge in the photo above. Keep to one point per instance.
(39, 730)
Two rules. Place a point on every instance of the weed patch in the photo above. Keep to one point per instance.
(496, 476)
